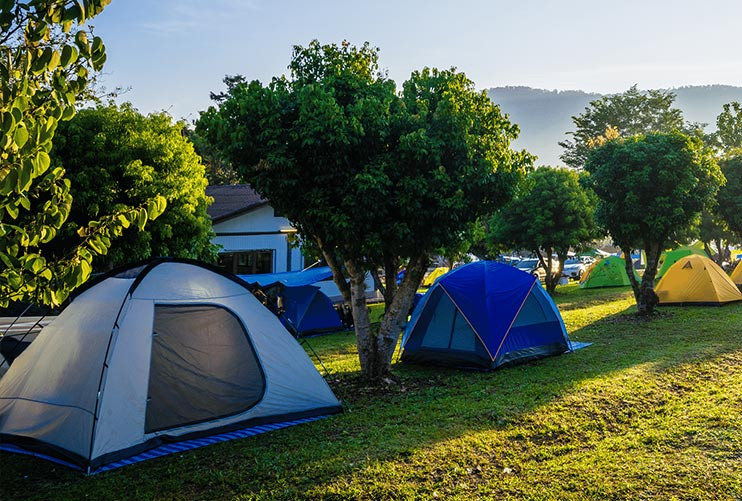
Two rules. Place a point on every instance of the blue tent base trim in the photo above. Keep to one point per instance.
(578, 345)
(170, 448)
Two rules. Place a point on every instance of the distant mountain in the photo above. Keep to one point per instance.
(544, 116)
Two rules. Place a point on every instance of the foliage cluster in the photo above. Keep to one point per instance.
(649, 188)
(552, 214)
(46, 60)
(115, 157)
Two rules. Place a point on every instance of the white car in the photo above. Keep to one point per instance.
(574, 268)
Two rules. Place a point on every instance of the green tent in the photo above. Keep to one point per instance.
(669, 258)
(608, 272)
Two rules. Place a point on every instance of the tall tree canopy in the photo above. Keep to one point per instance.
(552, 214)
(629, 113)
(730, 195)
(47, 61)
(651, 187)
(371, 176)
(116, 157)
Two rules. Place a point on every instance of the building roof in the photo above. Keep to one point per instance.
(231, 200)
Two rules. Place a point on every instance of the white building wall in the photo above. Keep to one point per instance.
(257, 230)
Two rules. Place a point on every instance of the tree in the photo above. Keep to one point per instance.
(47, 62)
(218, 170)
(730, 195)
(729, 128)
(650, 187)
(553, 214)
(116, 157)
(712, 229)
(629, 113)
(374, 178)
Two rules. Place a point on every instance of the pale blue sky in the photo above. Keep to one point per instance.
(172, 53)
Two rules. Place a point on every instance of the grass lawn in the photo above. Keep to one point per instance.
(653, 409)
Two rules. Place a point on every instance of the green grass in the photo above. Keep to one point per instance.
(653, 409)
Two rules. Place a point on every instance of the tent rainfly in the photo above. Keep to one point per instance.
(161, 357)
(608, 272)
(484, 315)
(698, 280)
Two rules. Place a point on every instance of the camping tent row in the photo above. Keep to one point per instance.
(484, 315)
(696, 279)
(169, 351)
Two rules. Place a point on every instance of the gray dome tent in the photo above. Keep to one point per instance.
(165, 352)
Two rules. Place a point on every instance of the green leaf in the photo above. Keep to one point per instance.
(86, 270)
(69, 55)
(141, 219)
(25, 175)
(10, 182)
(42, 163)
(20, 136)
(12, 211)
(123, 220)
(54, 60)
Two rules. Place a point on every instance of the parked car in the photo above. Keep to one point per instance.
(574, 268)
(534, 267)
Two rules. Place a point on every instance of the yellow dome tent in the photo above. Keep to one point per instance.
(696, 279)
(737, 274)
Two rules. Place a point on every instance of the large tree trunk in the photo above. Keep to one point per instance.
(397, 311)
(375, 351)
(365, 341)
(646, 298)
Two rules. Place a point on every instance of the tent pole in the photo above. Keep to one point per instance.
(304, 341)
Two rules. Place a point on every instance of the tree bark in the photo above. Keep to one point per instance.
(551, 279)
(646, 298)
(375, 351)
(365, 341)
(337, 271)
(397, 311)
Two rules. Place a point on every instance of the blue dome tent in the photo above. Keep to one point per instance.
(484, 315)
(307, 311)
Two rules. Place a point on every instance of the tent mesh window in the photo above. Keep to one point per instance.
(203, 367)
(447, 329)
(532, 312)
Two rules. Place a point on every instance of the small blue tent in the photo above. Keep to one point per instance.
(484, 315)
(308, 311)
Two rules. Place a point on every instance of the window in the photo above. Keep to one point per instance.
(247, 262)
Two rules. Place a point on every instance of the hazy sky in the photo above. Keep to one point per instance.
(172, 53)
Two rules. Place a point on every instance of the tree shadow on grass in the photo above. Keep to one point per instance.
(426, 407)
